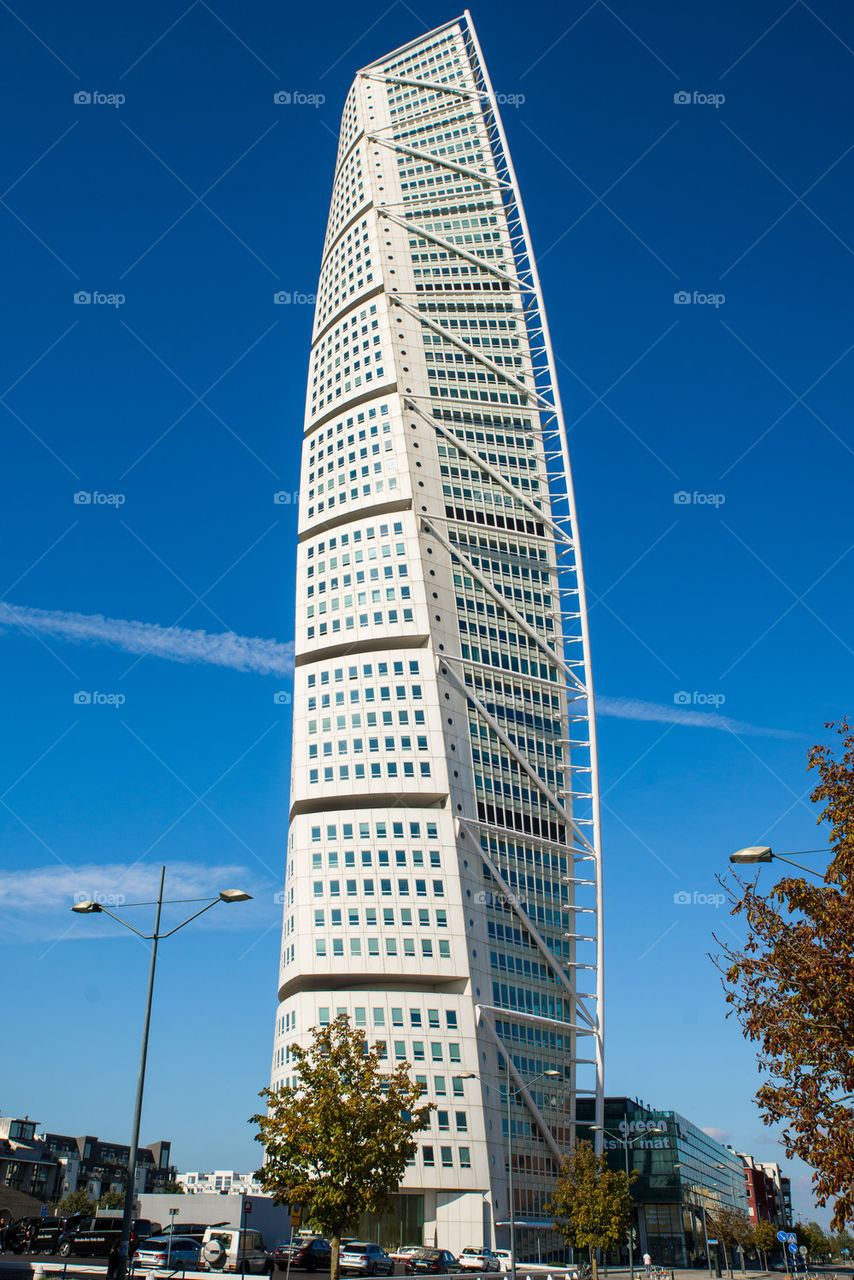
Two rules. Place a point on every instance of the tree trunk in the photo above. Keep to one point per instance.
(594, 1265)
(727, 1263)
(334, 1267)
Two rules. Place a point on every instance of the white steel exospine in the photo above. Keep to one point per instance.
(444, 875)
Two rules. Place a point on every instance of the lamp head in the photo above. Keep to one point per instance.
(753, 853)
(234, 895)
(84, 908)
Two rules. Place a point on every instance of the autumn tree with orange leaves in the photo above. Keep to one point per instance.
(791, 986)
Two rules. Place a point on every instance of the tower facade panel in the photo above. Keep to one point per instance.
(443, 878)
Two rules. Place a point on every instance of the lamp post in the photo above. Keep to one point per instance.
(762, 853)
(512, 1206)
(87, 908)
(624, 1136)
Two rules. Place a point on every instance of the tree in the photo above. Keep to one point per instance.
(791, 986)
(76, 1202)
(842, 1243)
(816, 1241)
(765, 1238)
(337, 1143)
(173, 1189)
(112, 1200)
(730, 1225)
(591, 1203)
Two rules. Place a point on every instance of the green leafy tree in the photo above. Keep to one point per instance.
(842, 1241)
(591, 1203)
(816, 1241)
(76, 1202)
(791, 986)
(112, 1200)
(731, 1226)
(337, 1143)
(173, 1189)
(765, 1239)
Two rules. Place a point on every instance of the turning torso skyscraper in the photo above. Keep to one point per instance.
(443, 882)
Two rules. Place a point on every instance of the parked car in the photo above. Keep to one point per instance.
(231, 1249)
(437, 1262)
(168, 1251)
(365, 1259)
(472, 1259)
(196, 1230)
(404, 1251)
(505, 1258)
(307, 1251)
(48, 1231)
(98, 1236)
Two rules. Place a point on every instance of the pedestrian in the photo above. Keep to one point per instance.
(114, 1261)
(32, 1235)
(647, 1262)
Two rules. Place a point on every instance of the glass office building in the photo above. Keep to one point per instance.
(681, 1171)
(443, 881)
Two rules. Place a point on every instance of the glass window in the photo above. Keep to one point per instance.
(435, 1051)
(447, 1157)
(427, 1153)
(465, 1158)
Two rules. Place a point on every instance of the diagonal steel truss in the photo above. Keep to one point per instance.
(538, 392)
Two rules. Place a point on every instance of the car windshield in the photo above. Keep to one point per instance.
(357, 1246)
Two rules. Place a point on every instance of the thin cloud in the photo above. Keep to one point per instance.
(661, 713)
(35, 904)
(178, 644)
(719, 1135)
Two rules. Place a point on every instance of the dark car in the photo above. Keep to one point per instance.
(365, 1259)
(97, 1238)
(437, 1262)
(308, 1252)
(19, 1235)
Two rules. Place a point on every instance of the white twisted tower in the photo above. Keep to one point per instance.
(443, 882)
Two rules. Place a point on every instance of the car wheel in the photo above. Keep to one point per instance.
(64, 1249)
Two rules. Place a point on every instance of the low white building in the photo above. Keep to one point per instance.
(220, 1182)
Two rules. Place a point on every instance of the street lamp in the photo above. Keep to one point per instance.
(510, 1097)
(762, 853)
(89, 908)
(626, 1143)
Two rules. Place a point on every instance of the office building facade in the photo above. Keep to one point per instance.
(443, 878)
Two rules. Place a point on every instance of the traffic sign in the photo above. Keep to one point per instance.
(803, 1251)
(247, 1206)
(792, 1238)
(713, 1242)
(44, 1210)
(782, 1236)
(793, 1248)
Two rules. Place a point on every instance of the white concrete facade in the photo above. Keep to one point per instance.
(443, 879)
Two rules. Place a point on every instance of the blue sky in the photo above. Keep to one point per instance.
(712, 455)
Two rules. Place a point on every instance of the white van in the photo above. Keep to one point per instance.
(230, 1249)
